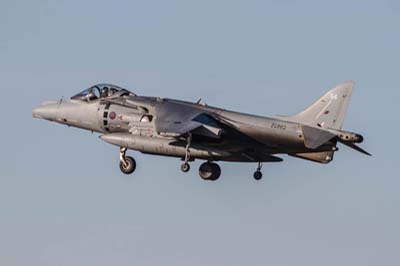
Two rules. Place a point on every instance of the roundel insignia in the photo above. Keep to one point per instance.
(113, 115)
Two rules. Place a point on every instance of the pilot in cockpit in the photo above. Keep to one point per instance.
(99, 91)
(104, 92)
(91, 96)
(111, 91)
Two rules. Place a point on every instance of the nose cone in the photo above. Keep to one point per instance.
(47, 110)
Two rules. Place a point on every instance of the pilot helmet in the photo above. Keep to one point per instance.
(112, 91)
(104, 92)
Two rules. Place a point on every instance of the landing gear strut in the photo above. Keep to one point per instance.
(257, 173)
(210, 171)
(185, 167)
(127, 164)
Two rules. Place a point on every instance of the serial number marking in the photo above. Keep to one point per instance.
(278, 126)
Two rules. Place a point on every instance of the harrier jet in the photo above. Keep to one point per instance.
(194, 130)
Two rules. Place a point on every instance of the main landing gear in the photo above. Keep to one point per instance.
(207, 171)
(127, 164)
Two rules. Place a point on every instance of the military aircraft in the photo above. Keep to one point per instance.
(194, 130)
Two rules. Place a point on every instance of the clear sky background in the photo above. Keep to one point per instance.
(63, 200)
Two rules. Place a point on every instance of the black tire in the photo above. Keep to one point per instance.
(257, 175)
(209, 171)
(185, 167)
(216, 171)
(130, 166)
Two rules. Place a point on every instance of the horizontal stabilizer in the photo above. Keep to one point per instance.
(315, 137)
(319, 157)
(354, 146)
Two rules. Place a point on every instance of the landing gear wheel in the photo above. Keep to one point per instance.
(257, 175)
(210, 171)
(185, 167)
(216, 171)
(129, 166)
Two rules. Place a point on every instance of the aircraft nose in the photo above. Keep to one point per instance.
(47, 110)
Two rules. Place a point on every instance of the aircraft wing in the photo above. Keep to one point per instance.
(185, 119)
(177, 119)
(259, 156)
(174, 119)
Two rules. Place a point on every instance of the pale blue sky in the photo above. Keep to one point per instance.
(63, 200)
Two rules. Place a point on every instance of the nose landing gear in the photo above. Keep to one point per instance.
(127, 164)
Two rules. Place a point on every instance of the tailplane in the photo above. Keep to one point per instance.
(319, 157)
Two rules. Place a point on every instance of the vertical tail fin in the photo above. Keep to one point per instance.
(329, 111)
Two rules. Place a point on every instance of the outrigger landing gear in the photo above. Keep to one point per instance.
(257, 173)
(185, 167)
(127, 164)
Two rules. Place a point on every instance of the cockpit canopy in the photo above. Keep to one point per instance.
(100, 91)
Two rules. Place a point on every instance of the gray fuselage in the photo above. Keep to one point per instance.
(137, 128)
